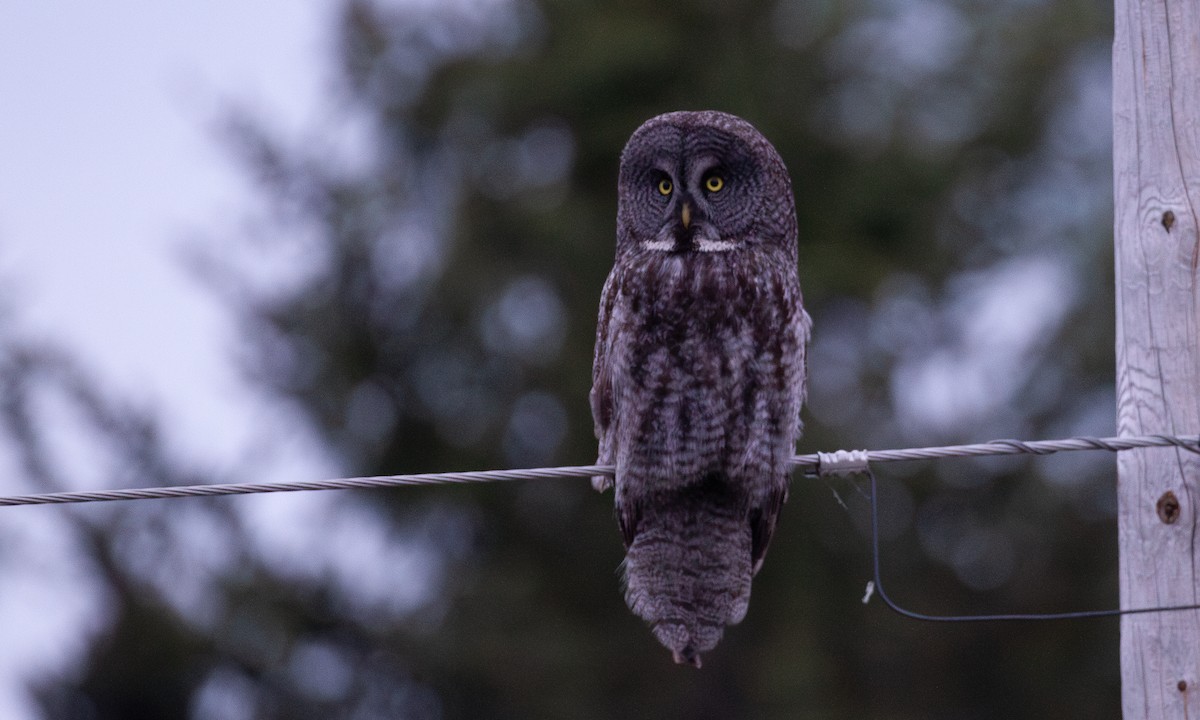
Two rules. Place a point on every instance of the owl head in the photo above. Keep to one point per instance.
(703, 182)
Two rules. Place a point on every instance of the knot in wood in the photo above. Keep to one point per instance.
(1168, 507)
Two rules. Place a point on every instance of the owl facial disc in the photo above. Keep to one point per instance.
(685, 231)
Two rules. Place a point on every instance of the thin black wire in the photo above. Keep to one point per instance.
(816, 465)
(1078, 615)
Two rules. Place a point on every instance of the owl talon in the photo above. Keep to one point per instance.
(602, 482)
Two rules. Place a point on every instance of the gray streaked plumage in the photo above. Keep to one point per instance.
(699, 369)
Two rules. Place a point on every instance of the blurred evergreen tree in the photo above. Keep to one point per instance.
(952, 193)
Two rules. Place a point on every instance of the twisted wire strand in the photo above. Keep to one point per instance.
(820, 463)
(813, 465)
(375, 481)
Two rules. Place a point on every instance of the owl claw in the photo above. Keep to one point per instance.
(602, 482)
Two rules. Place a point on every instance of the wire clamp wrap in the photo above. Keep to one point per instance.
(841, 463)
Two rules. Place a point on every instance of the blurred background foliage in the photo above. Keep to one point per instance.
(420, 291)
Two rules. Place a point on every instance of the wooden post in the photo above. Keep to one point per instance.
(1156, 168)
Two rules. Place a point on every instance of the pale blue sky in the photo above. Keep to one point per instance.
(109, 161)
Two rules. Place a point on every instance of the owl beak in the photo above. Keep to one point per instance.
(686, 215)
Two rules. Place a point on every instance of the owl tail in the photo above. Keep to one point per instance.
(688, 567)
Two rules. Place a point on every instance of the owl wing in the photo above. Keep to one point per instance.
(764, 516)
(762, 526)
(803, 325)
(602, 396)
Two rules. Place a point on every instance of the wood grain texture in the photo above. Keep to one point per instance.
(1156, 163)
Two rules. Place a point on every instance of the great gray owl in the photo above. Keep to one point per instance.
(699, 369)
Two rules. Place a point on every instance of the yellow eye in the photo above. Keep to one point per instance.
(665, 187)
(714, 183)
